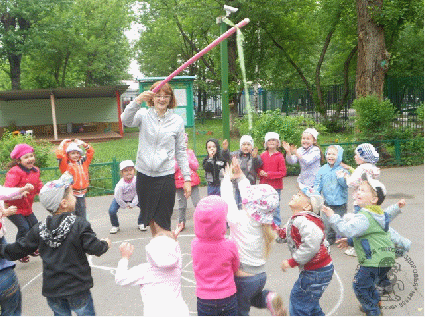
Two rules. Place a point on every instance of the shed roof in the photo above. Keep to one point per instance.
(78, 92)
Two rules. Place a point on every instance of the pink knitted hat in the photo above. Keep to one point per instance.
(20, 150)
(261, 201)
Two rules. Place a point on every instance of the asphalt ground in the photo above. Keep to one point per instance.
(338, 298)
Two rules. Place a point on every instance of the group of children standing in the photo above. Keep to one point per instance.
(230, 273)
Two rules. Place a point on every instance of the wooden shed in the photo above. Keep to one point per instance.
(84, 112)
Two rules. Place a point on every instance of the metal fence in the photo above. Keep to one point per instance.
(104, 176)
(406, 94)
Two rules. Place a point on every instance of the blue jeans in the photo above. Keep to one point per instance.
(10, 293)
(238, 198)
(213, 190)
(218, 307)
(251, 292)
(307, 291)
(80, 207)
(113, 210)
(23, 223)
(81, 304)
(276, 214)
(364, 287)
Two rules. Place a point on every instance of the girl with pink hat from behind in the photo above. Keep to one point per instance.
(22, 172)
(251, 229)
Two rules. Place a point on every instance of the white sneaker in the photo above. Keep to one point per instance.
(142, 227)
(350, 252)
(114, 230)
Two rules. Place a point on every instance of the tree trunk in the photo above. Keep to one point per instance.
(372, 61)
(15, 70)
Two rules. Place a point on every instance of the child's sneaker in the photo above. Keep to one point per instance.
(35, 253)
(25, 259)
(142, 227)
(279, 240)
(350, 252)
(275, 304)
(114, 230)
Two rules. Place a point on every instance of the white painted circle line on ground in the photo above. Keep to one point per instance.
(341, 295)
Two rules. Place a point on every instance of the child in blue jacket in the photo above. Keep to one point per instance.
(331, 183)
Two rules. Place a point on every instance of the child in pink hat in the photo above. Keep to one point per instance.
(215, 259)
(22, 172)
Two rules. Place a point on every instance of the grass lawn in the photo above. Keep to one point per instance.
(126, 148)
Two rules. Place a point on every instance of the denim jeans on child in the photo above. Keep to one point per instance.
(10, 293)
(113, 210)
(276, 214)
(364, 287)
(213, 190)
(81, 304)
(23, 223)
(307, 291)
(251, 292)
(80, 207)
(218, 307)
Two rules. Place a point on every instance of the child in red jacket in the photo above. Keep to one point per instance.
(273, 169)
(22, 172)
(71, 159)
(195, 181)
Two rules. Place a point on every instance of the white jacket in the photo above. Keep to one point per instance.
(159, 279)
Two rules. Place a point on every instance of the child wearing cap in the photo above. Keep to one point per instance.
(249, 161)
(273, 169)
(251, 229)
(125, 196)
(159, 278)
(368, 232)
(72, 159)
(366, 157)
(305, 236)
(308, 155)
(215, 259)
(23, 171)
(67, 279)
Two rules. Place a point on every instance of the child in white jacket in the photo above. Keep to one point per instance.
(125, 196)
(159, 279)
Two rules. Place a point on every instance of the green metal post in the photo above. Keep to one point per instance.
(397, 151)
(115, 174)
(225, 84)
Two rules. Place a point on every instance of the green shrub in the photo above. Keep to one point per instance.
(420, 113)
(8, 141)
(373, 117)
(289, 128)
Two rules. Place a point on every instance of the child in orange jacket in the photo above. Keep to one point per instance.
(71, 159)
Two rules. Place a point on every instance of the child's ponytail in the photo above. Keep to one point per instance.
(322, 157)
(269, 236)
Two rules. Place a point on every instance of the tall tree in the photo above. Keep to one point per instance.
(18, 20)
(87, 47)
(372, 57)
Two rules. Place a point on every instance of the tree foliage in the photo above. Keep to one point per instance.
(67, 43)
